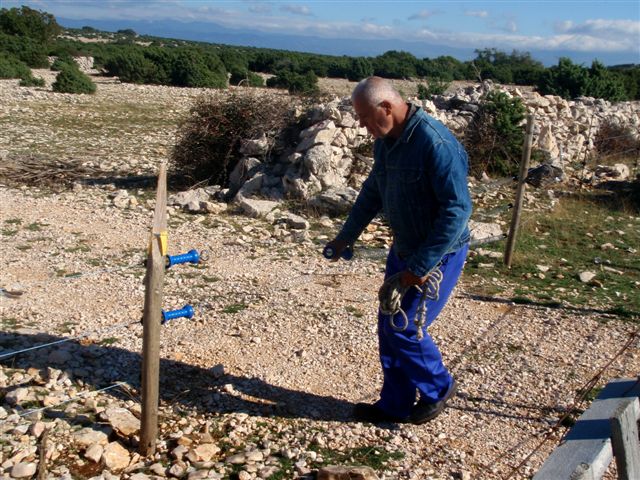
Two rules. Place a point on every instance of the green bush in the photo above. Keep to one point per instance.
(131, 66)
(11, 67)
(72, 80)
(359, 68)
(495, 137)
(394, 64)
(26, 49)
(434, 86)
(40, 27)
(61, 62)
(32, 81)
(302, 84)
(190, 69)
(570, 81)
(246, 79)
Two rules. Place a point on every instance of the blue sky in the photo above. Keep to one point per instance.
(595, 28)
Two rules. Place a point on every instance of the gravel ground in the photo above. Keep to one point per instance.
(282, 344)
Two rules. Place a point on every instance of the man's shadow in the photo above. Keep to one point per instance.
(100, 365)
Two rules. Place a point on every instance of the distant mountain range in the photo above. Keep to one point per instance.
(213, 33)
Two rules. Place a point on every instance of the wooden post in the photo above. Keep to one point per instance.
(524, 168)
(624, 439)
(152, 319)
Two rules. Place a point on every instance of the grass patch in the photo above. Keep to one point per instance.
(234, 308)
(109, 341)
(592, 394)
(354, 311)
(7, 232)
(10, 323)
(66, 327)
(13, 221)
(371, 456)
(209, 279)
(591, 231)
(35, 227)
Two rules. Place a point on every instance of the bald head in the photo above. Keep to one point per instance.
(379, 107)
(375, 90)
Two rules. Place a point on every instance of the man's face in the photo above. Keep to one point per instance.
(376, 119)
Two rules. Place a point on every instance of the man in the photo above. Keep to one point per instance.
(419, 182)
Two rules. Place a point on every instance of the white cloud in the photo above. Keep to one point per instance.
(261, 8)
(578, 43)
(421, 15)
(601, 28)
(477, 13)
(297, 9)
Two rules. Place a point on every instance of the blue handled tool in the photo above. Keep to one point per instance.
(186, 312)
(329, 253)
(191, 256)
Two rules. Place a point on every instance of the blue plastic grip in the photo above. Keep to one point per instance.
(191, 256)
(329, 253)
(186, 312)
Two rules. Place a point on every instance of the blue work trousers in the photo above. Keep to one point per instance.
(409, 364)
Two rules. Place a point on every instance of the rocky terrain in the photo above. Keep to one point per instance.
(260, 383)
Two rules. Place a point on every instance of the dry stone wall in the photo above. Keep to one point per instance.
(325, 169)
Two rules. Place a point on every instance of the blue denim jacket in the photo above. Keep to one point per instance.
(419, 181)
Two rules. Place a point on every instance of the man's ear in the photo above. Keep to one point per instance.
(386, 106)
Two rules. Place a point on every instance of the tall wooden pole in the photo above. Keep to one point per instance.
(524, 168)
(152, 319)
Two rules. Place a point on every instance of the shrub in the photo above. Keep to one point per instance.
(359, 68)
(61, 62)
(246, 79)
(208, 145)
(616, 140)
(32, 81)
(26, 49)
(190, 70)
(26, 22)
(571, 81)
(303, 84)
(131, 66)
(72, 80)
(11, 67)
(495, 137)
(434, 86)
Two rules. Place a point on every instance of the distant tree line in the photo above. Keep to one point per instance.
(28, 37)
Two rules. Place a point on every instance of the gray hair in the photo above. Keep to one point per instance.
(375, 90)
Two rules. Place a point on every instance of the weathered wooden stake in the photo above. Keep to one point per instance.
(152, 319)
(624, 439)
(524, 168)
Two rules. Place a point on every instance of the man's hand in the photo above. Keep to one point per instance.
(408, 279)
(338, 246)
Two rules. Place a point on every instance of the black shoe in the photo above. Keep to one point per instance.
(370, 413)
(422, 412)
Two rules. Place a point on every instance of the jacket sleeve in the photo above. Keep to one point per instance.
(367, 205)
(446, 168)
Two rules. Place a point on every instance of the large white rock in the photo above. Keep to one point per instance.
(122, 420)
(115, 457)
(88, 436)
(23, 470)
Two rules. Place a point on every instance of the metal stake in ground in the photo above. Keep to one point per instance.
(156, 263)
(524, 168)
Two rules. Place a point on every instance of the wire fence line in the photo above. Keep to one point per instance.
(70, 400)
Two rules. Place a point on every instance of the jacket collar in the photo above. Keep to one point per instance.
(415, 115)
